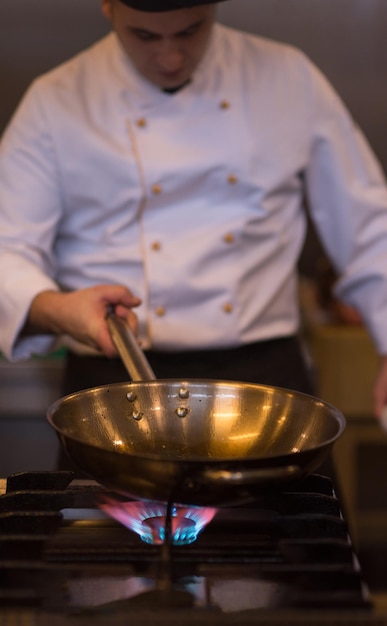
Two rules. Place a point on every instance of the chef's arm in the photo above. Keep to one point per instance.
(82, 314)
(380, 392)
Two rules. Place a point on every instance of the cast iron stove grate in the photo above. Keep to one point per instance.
(60, 556)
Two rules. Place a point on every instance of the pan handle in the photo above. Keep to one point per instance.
(132, 356)
(257, 475)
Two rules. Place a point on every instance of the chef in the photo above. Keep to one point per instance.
(163, 171)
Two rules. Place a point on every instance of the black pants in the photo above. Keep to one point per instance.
(278, 362)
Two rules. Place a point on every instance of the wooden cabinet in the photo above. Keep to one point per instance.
(346, 364)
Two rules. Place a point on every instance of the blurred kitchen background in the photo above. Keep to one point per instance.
(347, 40)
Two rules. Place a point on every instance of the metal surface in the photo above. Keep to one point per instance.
(195, 441)
(129, 350)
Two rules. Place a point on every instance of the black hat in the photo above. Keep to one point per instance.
(165, 5)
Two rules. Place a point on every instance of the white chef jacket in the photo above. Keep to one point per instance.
(192, 200)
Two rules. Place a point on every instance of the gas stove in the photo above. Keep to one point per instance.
(67, 556)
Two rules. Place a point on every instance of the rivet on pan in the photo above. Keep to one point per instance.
(182, 411)
(183, 393)
(131, 396)
(137, 415)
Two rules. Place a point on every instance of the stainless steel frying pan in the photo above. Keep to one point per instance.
(198, 442)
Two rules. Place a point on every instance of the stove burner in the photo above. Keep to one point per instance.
(148, 520)
(288, 554)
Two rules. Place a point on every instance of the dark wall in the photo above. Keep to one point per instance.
(36, 35)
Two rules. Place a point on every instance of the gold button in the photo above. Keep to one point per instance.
(160, 311)
(225, 104)
(141, 122)
(156, 189)
(232, 179)
(156, 245)
(229, 238)
(228, 308)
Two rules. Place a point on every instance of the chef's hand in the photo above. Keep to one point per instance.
(380, 393)
(81, 314)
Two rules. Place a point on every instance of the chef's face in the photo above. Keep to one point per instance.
(165, 47)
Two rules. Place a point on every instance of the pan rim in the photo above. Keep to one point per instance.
(213, 383)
